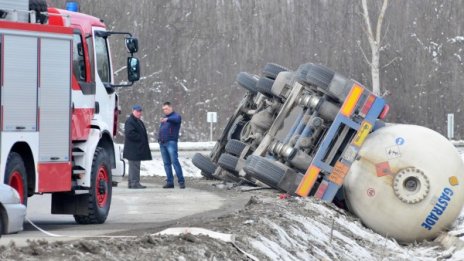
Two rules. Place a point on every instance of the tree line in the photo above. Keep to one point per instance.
(191, 51)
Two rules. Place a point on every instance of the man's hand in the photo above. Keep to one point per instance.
(163, 120)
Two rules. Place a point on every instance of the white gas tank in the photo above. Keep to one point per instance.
(408, 183)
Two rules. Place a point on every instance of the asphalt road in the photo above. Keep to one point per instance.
(133, 212)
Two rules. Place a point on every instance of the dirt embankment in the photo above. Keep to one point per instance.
(269, 227)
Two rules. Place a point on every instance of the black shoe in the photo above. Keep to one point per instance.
(137, 186)
(167, 186)
(182, 186)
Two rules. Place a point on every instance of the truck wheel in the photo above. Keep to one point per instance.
(271, 70)
(247, 81)
(99, 200)
(205, 164)
(16, 175)
(264, 86)
(315, 74)
(39, 6)
(264, 170)
(236, 129)
(228, 162)
(235, 147)
(320, 76)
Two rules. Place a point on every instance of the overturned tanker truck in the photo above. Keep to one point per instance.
(314, 132)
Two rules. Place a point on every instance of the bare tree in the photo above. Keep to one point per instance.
(374, 43)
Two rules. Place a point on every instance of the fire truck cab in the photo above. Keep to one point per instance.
(58, 107)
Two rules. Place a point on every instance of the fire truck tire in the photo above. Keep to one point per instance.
(264, 170)
(16, 175)
(264, 86)
(247, 81)
(235, 147)
(205, 164)
(39, 6)
(99, 200)
(228, 162)
(2, 225)
(271, 70)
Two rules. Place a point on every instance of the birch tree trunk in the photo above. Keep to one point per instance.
(374, 43)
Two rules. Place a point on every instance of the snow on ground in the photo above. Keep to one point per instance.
(269, 227)
(155, 167)
(323, 235)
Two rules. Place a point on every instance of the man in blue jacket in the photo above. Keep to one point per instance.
(167, 138)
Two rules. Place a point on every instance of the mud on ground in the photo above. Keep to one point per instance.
(270, 227)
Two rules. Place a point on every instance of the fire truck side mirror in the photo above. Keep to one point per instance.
(132, 44)
(133, 69)
(80, 49)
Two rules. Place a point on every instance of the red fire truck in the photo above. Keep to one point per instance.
(58, 107)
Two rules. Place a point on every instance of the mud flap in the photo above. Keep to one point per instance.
(290, 181)
(70, 203)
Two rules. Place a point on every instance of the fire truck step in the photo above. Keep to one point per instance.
(78, 170)
(77, 152)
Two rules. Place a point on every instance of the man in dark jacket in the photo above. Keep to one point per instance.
(136, 147)
(167, 138)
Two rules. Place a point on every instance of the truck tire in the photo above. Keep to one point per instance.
(16, 175)
(228, 162)
(247, 81)
(264, 170)
(271, 70)
(264, 86)
(39, 6)
(315, 74)
(205, 164)
(236, 128)
(235, 147)
(99, 200)
(320, 76)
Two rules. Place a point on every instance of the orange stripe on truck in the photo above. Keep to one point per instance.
(308, 181)
(351, 101)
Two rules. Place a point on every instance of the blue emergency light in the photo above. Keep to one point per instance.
(72, 6)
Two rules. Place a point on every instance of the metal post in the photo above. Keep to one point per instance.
(450, 126)
(211, 117)
(211, 131)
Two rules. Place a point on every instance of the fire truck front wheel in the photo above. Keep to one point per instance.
(99, 199)
(16, 175)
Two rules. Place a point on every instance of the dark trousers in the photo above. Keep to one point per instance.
(170, 158)
(134, 173)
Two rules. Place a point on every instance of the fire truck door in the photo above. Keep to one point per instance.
(55, 100)
(19, 94)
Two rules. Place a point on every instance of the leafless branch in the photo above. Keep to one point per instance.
(390, 62)
(386, 31)
(386, 93)
(367, 21)
(364, 54)
(380, 20)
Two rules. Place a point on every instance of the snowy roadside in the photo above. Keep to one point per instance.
(155, 167)
(361, 243)
(269, 227)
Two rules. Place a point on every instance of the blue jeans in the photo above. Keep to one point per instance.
(169, 153)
